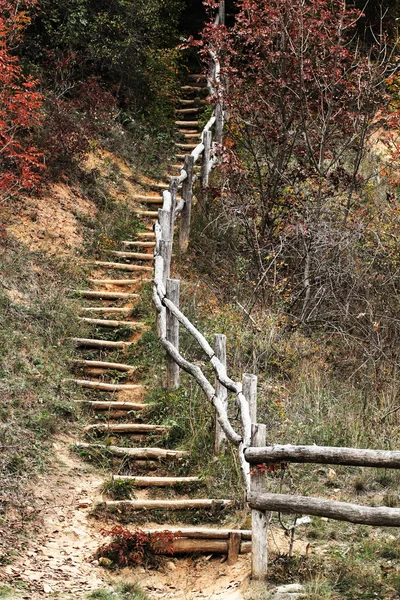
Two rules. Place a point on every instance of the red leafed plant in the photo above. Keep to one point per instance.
(21, 163)
(128, 548)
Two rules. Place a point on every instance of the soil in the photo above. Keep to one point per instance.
(58, 559)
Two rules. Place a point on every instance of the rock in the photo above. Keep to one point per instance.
(171, 566)
(105, 562)
(47, 589)
(84, 503)
(292, 591)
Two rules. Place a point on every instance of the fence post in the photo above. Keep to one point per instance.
(207, 136)
(221, 11)
(220, 390)
(187, 194)
(173, 290)
(164, 218)
(259, 520)
(219, 122)
(249, 383)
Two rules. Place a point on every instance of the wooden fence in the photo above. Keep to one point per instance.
(251, 439)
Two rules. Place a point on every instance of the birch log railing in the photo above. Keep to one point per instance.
(250, 439)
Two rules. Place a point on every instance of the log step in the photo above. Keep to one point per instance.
(126, 428)
(189, 132)
(145, 234)
(201, 533)
(105, 309)
(139, 244)
(135, 453)
(195, 76)
(91, 343)
(187, 111)
(122, 266)
(191, 135)
(196, 101)
(122, 406)
(106, 387)
(119, 281)
(186, 146)
(148, 199)
(100, 364)
(187, 123)
(145, 213)
(105, 295)
(169, 504)
(108, 323)
(156, 481)
(193, 87)
(133, 255)
(180, 157)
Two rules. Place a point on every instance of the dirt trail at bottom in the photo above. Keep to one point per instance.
(58, 559)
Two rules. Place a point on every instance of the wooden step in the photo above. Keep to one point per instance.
(105, 309)
(105, 295)
(192, 135)
(106, 387)
(187, 111)
(135, 453)
(139, 244)
(180, 157)
(122, 266)
(189, 132)
(114, 404)
(145, 234)
(119, 281)
(145, 213)
(156, 481)
(187, 123)
(126, 428)
(108, 323)
(132, 255)
(169, 504)
(100, 364)
(193, 87)
(148, 199)
(187, 146)
(196, 76)
(92, 343)
(200, 533)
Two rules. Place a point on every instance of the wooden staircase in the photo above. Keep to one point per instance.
(121, 410)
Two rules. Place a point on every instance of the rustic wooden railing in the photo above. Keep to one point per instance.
(251, 438)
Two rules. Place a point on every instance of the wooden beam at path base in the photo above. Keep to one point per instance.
(319, 507)
(169, 504)
(204, 532)
(135, 453)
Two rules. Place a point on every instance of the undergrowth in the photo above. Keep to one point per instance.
(36, 321)
(121, 591)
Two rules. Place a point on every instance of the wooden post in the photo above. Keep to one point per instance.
(165, 246)
(235, 537)
(187, 195)
(219, 122)
(250, 393)
(173, 290)
(220, 390)
(259, 519)
(221, 11)
(207, 136)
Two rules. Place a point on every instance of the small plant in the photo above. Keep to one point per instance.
(124, 591)
(119, 489)
(128, 548)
